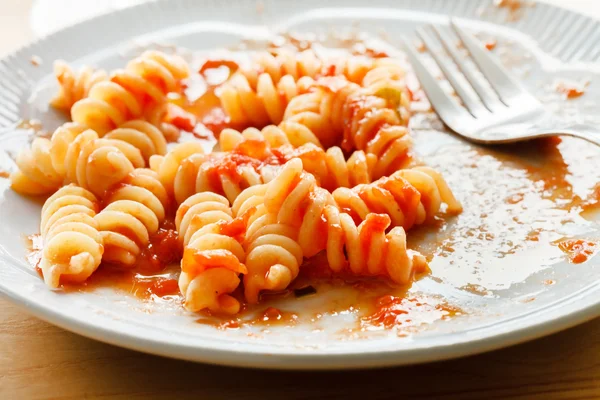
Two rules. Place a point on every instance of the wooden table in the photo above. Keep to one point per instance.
(40, 361)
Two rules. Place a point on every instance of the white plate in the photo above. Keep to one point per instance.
(517, 303)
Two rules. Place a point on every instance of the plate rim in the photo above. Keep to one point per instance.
(549, 322)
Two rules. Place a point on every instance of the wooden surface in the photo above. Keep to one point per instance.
(40, 361)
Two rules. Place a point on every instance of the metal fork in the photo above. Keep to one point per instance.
(504, 112)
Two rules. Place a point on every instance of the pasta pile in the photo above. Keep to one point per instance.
(320, 161)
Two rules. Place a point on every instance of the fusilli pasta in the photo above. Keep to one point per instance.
(188, 171)
(41, 168)
(330, 167)
(97, 164)
(321, 164)
(74, 86)
(168, 165)
(261, 103)
(298, 202)
(273, 256)
(286, 133)
(134, 210)
(409, 197)
(72, 244)
(361, 119)
(48, 163)
(143, 84)
(367, 249)
(212, 259)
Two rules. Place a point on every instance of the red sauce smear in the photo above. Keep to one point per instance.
(206, 109)
(144, 287)
(179, 117)
(570, 90)
(216, 63)
(163, 249)
(4, 174)
(578, 250)
(196, 261)
(491, 44)
(215, 120)
(512, 5)
(142, 281)
(392, 311)
(236, 228)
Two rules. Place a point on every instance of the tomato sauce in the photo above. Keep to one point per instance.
(401, 312)
(164, 249)
(490, 44)
(512, 5)
(201, 103)
(578, 250)
(571, 90)
(141, 286)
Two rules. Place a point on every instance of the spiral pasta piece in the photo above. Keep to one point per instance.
(143, 84)
(134, 211)
(229, 174)
(298, 202)
(409, 197)
(41, 167)
(385, 72)
(286, 133)
(367, 250)
(74, 86)
(212, 259)
(44, 167)
(167, 166)
(97, 164)
(226, 173)
(371, 119)
(73, 246)
(261, 102)
(273, 256)
(307, 63)
(147, 138)
(330, 167)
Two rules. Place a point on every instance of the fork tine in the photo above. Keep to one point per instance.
(487, 97)
(446, 107)
(496, 74)
(470, 101)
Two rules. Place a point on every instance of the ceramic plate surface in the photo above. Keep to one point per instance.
(497, 277)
